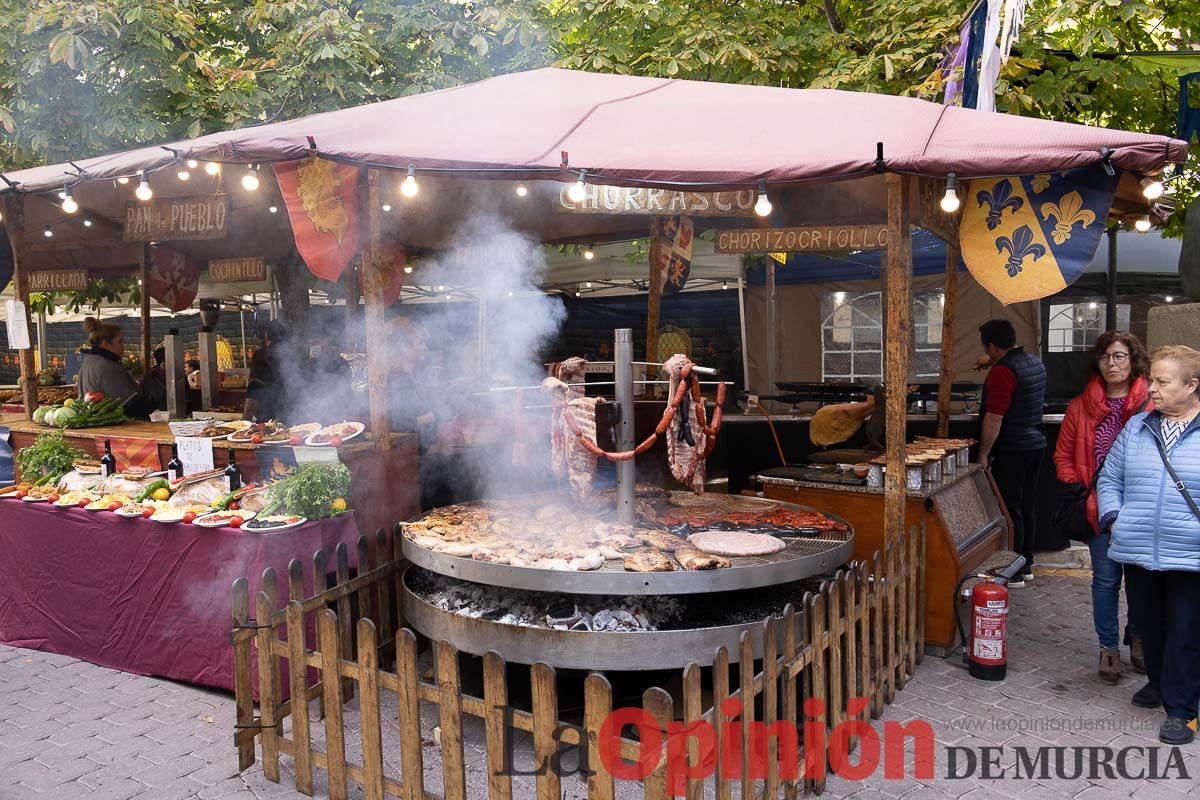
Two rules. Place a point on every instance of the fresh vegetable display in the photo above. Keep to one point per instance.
(48, 458)
(312, 491)
(83, 413)
(149, 491)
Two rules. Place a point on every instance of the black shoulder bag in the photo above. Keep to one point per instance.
(1162, 452)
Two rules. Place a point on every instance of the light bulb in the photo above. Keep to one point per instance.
(950, 201)
(440, 288)
(408, 270)
(68, 203)
(1169, 299)
(250, 179)
(577, 293)
(87, 222)
(64, 193)
(409, 187)
(183, 174)
(578, 191)
(589, 253)
(763, 206)
(724, 284)
(192, 163)
(1143, 224)
(521, 190)
(212, 168)
(510, 293)
(273, 209)
(447, 297)
(1152, 189)
(124, 179)
(1093, 306)
(143, 191)
(47, 232)
(386, 206)
(587, 285)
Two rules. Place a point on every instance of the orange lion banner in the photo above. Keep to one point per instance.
(174, 278)
(322, 204)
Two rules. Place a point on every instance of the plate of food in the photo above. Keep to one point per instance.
(261, 432)
(134, 510)
(75, 499)
(335, 435)
(274, 522)
(11, 491)
(179, 513)
(39, 494)
(222, 430)
(224, 519)
(86, 466)
(108, 502)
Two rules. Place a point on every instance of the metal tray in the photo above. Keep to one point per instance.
(803, 557)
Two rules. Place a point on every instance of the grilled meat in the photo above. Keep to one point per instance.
(690, 557)
(649, 560)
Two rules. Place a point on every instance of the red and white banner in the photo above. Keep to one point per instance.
(322, 204)
(174, 278)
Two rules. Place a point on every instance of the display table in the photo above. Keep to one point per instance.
(140, 596)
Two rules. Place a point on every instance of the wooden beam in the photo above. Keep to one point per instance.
(654, 298)
(144, 264)
(50, 246)
(897, 328)
(374, 265)
(14, 223)
(353, 294)
(946, 361)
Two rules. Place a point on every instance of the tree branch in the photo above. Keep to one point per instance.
(831, 14)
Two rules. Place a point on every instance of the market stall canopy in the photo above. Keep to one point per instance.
(623, 130)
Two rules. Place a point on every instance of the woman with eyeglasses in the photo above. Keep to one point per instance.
(1117, 366)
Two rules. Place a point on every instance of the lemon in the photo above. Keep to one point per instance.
(339, 505)
(161, 494)
(70, 401)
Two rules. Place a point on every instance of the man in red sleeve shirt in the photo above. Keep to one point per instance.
(1011, 435)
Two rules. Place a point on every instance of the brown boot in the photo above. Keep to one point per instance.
(1110, 665)
(1135, 655)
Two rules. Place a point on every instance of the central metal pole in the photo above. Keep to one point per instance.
(623, 377)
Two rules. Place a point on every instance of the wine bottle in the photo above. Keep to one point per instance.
(233, 475)
(108, 462)
(174, 466)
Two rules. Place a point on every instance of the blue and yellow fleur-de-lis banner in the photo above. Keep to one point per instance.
(1024, 238)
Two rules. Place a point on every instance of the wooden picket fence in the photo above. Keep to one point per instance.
(859, 636)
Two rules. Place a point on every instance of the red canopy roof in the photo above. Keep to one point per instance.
(626, 129)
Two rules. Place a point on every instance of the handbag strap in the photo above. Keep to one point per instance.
(1162, 452)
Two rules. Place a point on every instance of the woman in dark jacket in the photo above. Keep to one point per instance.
(1117, 367)
(101, 370)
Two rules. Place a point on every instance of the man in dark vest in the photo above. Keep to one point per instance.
(1012, 435)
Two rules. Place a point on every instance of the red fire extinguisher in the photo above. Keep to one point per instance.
(988, 658)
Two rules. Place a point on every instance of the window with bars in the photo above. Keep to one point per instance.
(1074, 326)
(852, 335)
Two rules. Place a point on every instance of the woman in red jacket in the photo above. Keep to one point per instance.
(1117, 366)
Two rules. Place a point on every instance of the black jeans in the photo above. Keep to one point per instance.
(1164, 608)
(1016, 475)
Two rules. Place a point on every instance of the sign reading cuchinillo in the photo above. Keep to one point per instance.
(797, 240)
(237, 270)
(177, 218)
(58, 280)
(645, 201)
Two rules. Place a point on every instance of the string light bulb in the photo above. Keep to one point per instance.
(273, 209)
(578, 293)
(183, 174)
(212, 168)
(1169, 299)
(250, 179)
(192, 163)
(763, 206)
(589, 253)
(87, 222)
(409, 187)
(1143, 224)
(950, 200)
(587, 285)
(578, 191)
(408, 269)
(124, 179)
(724, 284)
(68, 203)
(143, 191)
(522, 190)
(48, 233)
(1152, 189)
(387, 206)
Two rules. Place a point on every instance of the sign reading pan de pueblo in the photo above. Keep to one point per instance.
(796, 240)
(178, 218)
(639, 200)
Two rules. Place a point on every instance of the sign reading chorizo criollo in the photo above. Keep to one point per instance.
(58, 280)
(798, 240)
(178, 218)
(639, 200)
(237, 270)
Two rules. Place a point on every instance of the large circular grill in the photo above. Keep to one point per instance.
(804, 556)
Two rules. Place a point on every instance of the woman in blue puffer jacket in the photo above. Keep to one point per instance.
(1156, 535)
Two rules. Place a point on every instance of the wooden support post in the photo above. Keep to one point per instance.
(373, 265)
(144, 291)
(897, 326)
(14, 223)
(353, 293)
(654, 299)
(946, 362)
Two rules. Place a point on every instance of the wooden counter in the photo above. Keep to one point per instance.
(385, 485)
(966, 524)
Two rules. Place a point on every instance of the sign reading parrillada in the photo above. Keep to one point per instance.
(639, 200)
(177, 218)
(797, 240)
(58, 280)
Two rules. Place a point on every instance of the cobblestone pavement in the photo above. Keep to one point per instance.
(71, 730)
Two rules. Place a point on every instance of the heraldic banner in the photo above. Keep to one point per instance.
(1025, 238)
(174, 278)
(322, 204)
(675, 253)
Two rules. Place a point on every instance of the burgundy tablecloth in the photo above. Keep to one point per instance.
(140, 596)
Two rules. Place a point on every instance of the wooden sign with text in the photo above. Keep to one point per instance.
(644, 201)
(178, 218)
(799, 240)
(237, 270)
(58, 280)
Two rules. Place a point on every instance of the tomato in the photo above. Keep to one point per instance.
(147, 513)
(233, 506)
(236, 522)
(84, 503)
(188, 517)
(295, 441)
(94, 397)
(52, 498)
(256, 438)
(114, 505)
(336, 441)
(21, 494)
